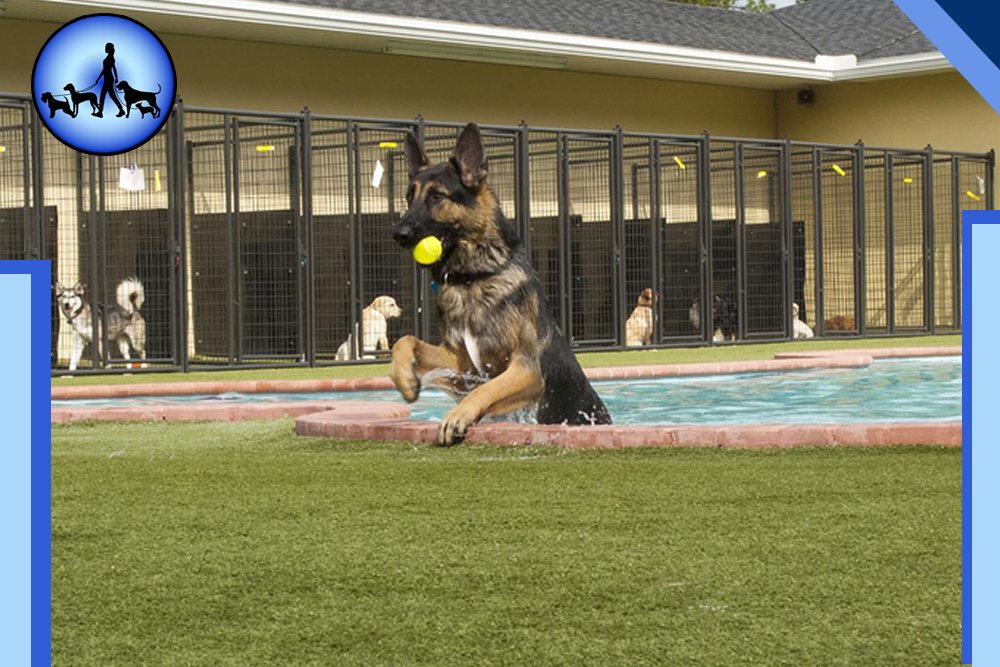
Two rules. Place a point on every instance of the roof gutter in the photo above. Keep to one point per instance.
(918, 63)
(482, 40)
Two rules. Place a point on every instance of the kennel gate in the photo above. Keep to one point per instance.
(825, 182)
(246, 240)
(664, 232)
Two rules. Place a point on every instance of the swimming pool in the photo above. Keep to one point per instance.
(925, 389)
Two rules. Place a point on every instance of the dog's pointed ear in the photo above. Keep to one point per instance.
(415, 155)
(58, 287)
(79, 288)
(470, 157)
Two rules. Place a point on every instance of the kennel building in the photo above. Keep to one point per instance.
(260, 238)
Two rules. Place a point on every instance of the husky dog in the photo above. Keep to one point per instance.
(494, 319)
(125, 323)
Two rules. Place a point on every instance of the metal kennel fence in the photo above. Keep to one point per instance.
(265, 239)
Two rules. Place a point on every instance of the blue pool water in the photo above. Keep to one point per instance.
(923, 389)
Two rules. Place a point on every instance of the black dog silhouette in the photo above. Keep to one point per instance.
(79, 98)
(133, 96)
(143, 109)
(57, 105)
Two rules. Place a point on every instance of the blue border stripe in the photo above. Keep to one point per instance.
(40, 272)
(15, 476)
(980, 456)
(938, 26)
(969, 18)
(967, 220)
(41, 463)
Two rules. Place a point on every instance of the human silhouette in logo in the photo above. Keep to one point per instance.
(110, 75)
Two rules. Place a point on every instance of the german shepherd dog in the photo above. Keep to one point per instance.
(495, 321)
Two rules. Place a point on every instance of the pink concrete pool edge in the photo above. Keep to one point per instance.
(378, 420)
(332, 425)
(222, 411)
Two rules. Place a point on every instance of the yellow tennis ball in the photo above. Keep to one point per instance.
(427, 251)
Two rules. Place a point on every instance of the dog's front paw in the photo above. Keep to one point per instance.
(455, 424)
(404, 368)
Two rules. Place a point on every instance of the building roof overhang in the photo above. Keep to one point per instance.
(403, 36)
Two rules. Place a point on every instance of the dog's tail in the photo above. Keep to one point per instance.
(130, 294)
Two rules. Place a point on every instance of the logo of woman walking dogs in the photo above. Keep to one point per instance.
(103, 84)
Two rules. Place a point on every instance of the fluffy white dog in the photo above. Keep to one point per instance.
(800, 328)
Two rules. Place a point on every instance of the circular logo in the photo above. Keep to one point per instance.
(103, 84)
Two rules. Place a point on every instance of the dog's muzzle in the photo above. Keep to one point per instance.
(405, 234)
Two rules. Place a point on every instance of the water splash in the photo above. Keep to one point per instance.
(456, 384)
(525, 415)
(228, 396)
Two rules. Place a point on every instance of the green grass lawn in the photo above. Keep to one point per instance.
(242, 544)
(587, 360)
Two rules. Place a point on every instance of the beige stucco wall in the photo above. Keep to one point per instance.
(938, 109)
(274, 77)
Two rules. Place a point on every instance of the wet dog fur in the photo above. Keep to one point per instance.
(495, 321)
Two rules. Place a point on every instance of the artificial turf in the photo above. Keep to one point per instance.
(243, 544)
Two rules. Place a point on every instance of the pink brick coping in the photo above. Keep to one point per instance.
(784, 361)
(222, 387)
(343, 411)
(330, 425)
(878, 353)
(844, 360)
